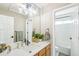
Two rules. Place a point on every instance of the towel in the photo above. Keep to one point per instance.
(18, 36)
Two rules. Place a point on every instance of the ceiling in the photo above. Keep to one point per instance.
(49, 4)
(42, 4)
(45, 7)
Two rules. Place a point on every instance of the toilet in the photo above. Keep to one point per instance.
(61, 51)
(56, 51)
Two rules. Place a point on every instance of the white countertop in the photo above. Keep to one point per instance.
(24, 51)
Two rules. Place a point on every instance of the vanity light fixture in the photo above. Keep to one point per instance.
(28, 9)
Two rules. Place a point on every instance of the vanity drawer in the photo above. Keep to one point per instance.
(42, 52)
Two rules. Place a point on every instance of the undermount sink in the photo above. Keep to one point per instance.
(29, 50)
(2, 47)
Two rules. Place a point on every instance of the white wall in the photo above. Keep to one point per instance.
(52, 6)
(36, 23)
(19, 20)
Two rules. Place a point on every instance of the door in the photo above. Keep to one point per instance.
(6, 29)
(29, 30)
(75, 40)
(64, 26)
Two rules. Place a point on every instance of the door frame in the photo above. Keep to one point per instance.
(27, 36)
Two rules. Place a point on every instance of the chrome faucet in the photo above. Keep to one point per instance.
(28, 42)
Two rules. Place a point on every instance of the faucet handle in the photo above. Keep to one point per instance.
(28, 42)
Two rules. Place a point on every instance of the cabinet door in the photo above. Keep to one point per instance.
(29, 30)
(36, 54)
(48, 50)
(42, 52)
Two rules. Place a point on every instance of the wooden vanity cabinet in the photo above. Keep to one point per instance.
(42, 52)
(36, 54)
(45, 51)
(48, 50)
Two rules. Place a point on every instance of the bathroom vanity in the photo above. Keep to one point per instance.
(46, 51)
(34, 49)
